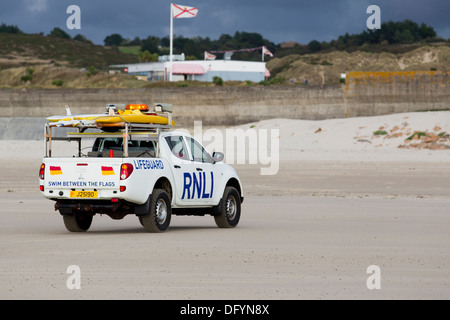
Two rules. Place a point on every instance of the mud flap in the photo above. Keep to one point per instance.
(143, 209)
(216, 210)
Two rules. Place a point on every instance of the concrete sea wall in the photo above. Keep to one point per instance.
(364, 94)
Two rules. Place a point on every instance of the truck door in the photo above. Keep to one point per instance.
(194, 178)
(180, 164)
(203, 176)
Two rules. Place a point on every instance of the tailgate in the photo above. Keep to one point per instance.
(81, 178)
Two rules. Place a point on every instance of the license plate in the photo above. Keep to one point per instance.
(84, 194)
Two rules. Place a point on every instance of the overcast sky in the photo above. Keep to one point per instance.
(276, 20)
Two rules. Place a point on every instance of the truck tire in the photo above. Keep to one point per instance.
(229, 209)
(158, 219)
(77, 222)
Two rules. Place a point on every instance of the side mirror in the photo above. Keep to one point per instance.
(218, 156)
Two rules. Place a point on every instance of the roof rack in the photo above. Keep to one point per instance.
(130, 131)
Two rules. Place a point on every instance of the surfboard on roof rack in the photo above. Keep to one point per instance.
(73, 120)
(115, 118)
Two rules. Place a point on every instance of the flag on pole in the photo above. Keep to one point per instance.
(209, 56)
(267, 52)
(180, 11)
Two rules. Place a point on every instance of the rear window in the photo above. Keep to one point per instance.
(102, 147)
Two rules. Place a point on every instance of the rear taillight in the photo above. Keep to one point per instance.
(125, 171)
(41, 187)
(42, 171)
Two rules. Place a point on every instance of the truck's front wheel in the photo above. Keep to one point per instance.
(158, 219)
(77, 222)
(229, 209)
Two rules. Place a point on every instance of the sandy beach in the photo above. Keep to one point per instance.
(343, 199)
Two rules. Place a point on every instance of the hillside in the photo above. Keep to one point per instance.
(52, 62)
(17, 50)
(326, 68)
(53, 77)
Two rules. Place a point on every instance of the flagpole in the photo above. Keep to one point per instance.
(171, 41)
(262, 50)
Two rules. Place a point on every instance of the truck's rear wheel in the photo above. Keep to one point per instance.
(158, 219)
(77, 222)
(229, 209)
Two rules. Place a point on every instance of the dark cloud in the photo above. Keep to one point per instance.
(277, 21)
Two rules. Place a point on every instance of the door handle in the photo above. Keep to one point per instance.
(176, 166)
(199, 169)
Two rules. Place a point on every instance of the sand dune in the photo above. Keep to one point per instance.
(354, 138)
(328, 140)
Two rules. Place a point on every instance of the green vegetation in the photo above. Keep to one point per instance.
(9, 29)
(326, 63)
(392, 37)
(316, 63)
(59, 33)
(58, 83)
(278, 80)
(218, 81)
(273, 81)
(433, 110)
(146, 56)
(417, 135)
(194, 48)
(151, 44)
(393, 32)
(130, 49)
(30, 49)
(113, 40)
(28, 76)
(380, 133)
(91, 71)
(80, 37)
(395, 37)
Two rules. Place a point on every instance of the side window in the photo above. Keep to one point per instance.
(178, 147)
(198, 152)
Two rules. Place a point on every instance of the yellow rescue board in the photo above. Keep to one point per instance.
(74, 117)
(131, 116)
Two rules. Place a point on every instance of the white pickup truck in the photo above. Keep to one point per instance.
(150, 171)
